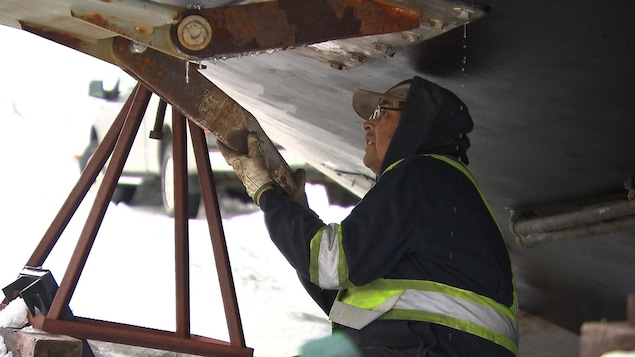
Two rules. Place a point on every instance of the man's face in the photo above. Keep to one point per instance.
(379, 129)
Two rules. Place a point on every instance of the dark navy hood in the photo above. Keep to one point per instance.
(433, 121)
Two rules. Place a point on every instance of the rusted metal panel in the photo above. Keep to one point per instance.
(279, 24)
(180, 84)
(227, 31)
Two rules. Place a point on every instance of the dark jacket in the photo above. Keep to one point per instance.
(423, 220)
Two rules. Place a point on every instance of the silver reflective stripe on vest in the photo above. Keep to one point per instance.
(465, 310)
(356, 317)
(328, 259)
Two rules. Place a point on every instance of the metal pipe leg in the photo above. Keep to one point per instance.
(141, 96)
(181, 251)
(221, 256)
(79, 191)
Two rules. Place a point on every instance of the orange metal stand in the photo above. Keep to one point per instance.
(118, 142)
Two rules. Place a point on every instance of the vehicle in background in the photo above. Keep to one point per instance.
(151, 159)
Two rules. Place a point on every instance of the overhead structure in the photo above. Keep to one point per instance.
(161, 45)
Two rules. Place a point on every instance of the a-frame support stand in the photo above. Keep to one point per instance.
(118, 142)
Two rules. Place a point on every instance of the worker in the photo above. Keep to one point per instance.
(420, 266)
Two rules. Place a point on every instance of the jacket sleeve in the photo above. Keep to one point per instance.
(364, 247)
(291, 227)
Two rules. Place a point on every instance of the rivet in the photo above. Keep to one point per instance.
(437, 24)
(463, 13)
(382, 47)
(410, 37)
(358, 57)
(136, 47)
(336, 65)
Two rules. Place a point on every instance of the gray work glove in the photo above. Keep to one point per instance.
(250, 168)
(299, 194)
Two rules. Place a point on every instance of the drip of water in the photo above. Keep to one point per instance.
(464, 46)
(187, 72)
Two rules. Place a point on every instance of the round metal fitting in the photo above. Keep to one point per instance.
(463, 13)
(137, 48)
(194, 32)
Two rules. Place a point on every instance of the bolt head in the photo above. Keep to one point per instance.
(194, 32)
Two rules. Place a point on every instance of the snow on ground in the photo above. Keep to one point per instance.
(129, 276)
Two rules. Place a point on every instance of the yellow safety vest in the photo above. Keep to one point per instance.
(429, 301)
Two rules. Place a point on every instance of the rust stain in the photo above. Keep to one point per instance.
(392, 17)
(201, 101)
(286, 23)
(96, 19)
(60, 37)
(139, 33)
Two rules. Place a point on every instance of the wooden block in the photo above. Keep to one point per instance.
(597, 338)
(40, 344)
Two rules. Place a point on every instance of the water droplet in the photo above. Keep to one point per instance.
(464, 45)
(187, 72)
(451, 255)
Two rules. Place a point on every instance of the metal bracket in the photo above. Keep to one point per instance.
(37, 287)
(280, 24)
(203, 103)
(157, 131)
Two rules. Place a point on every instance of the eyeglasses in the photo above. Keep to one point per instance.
(380, 111)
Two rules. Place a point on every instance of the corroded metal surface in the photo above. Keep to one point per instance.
(287, 23)
(225, 31)
(116, 146)
(91, 329)
(219, 245)
(180, 84)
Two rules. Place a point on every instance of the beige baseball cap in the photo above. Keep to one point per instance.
(365, 101)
